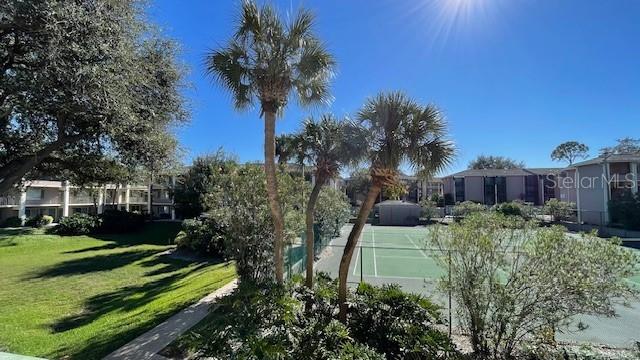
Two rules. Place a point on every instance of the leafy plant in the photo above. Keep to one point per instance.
(332, 212)
(77, 224)
(559, 210)
(429, 209)
(398, 324)
(466, 208)
(120, 221)
(201, 236)
(515, 282)
(39, 221)
(270, 322)
(12, 222)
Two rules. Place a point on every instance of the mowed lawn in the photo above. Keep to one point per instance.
(82, 297)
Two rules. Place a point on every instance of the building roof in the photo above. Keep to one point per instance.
(506, 172)
(610, 158)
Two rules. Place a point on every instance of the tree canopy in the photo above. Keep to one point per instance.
(625, 146)
(495, 162)
(84, 78)
(570, 151)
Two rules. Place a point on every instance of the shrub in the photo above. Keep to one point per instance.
(12, 222)
(270, 322)
(438, 199)
(429, 209)
(508, 209)
(466, 208)
(559, 210)
(78, 224)
(507, 297)
(396, 323)
(202, 236)
(332, 212)
(120, 221)
(39, 221)
(626, 210)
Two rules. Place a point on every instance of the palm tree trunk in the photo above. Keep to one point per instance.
(311, 207)
(352, 241)
(272, 192)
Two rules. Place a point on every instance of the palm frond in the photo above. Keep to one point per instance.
(228, 67)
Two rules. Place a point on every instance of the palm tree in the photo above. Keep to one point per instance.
(265, 62)
(329, 145)
(401, 131)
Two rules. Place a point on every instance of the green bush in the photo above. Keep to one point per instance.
(398, 324)
(626, 211)
(559, 210)
(78, 224)
(332, 212)
(429, 209)
(270, 322)
(466, 208)
(510, 297)
(201, 236)
(12, 222)
(120, 221)
(438, 199)
(39, 221)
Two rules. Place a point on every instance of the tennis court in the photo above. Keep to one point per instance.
(400, 255)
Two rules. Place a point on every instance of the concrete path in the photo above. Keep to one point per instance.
(146, 346)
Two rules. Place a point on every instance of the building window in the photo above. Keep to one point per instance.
(459, 189)
(531, 189)
(495, 190)
(35, 194)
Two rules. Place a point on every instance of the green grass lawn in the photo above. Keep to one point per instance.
(83, 297)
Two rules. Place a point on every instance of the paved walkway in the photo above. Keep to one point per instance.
(146, 346)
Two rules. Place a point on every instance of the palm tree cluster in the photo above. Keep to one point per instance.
(266, 62)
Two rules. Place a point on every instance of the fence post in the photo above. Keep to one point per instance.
(450, 317)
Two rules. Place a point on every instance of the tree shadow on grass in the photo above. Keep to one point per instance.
(150, 234)
(93, 264)
(127, 299)
(7, 235)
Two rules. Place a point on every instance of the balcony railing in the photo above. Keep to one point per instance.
(48, 201)
(9, 200)
(138, 199)
(81, 200)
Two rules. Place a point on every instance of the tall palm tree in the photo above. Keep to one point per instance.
(266, 62)
(330, 145)
(401, 131)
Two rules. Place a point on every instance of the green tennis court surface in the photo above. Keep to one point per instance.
(395, 253)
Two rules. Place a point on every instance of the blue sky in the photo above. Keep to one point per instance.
(514, 78)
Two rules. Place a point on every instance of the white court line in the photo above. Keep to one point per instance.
(400, 257)
(375, 265)
(416, 246)
(357, 257)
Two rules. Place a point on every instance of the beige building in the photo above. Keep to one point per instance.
(60, 198)
(593, 183)
(494, 186)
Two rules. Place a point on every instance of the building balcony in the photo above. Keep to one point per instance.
(44, 202)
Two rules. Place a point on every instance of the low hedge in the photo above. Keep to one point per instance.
(12, 222)
(120, 221)
(39, 221)
(78, 224)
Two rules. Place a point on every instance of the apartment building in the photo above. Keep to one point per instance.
(593, 183)
(494, 186)
(60, 198)
(418, 189)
